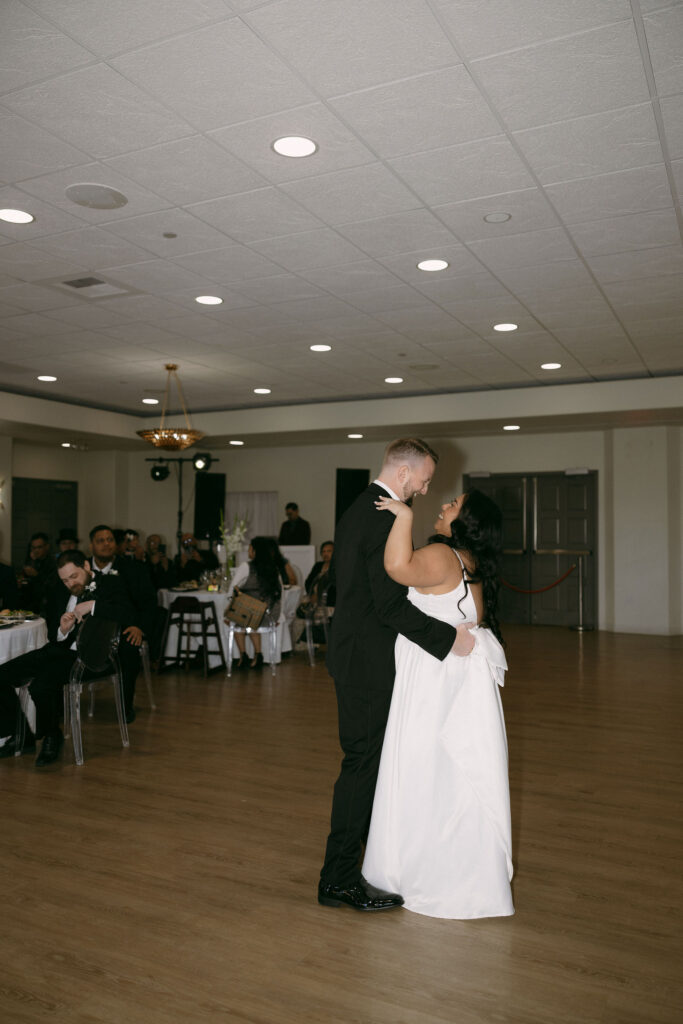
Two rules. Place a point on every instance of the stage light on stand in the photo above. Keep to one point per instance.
(202, 462)
(159, 472)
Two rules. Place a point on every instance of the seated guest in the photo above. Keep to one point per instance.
(190, 562)
(9, 591)
(285, 569)
(139, 589)
(120, 539)
(158, 565)
(318, 582)
(131, 546)
(39, 574)
(259, 577)
(294, 530)
(80, 593)
(67, 540)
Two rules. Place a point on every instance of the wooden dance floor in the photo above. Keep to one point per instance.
(175, 882)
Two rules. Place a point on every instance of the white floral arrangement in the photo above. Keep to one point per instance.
(233, 539)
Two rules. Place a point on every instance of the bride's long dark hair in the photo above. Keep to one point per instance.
(478, 531)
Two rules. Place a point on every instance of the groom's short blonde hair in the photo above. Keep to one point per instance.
(408, 449)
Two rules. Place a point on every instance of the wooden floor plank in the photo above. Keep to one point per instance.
(175, 881)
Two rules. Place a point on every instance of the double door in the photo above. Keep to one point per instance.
(549, 524)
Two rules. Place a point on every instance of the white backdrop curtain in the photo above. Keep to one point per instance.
(259, 507)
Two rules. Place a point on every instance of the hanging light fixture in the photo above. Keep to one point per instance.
(172, 438)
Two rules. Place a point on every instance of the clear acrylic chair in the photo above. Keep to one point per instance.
(268, 631)
(81, 675)
(147, 675)
(320, 617)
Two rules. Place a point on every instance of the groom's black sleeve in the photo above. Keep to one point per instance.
(395, 610)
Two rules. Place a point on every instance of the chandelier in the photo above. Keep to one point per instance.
(172, 438)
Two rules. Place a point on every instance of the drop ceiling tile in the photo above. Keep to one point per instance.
(401, 297)
(596, 144)
(228, 266)
(664, 31)
(640, 264)
(157, 277)
(88, 317)
(48, 219)
(51, 188)
(502, 25)
(470, 286)
(188, 171)
(581, 306)
(345, 196)
(312, 309)
(28, 150)
(26, 263)
(581, 74)
(35, 324)
(430, 111)
(528, 209)
(202, 75)
(279, 288)
(530, 282)
(358, 44)
(611, 195)
(252, 216)
(400, 232)
(621, 234)
(32, 48)
(140, 308)
(147, 231)
(252, 140)
(98, 111)
(677, 168)
(486, 167)
(322, 248)
(672, 114)
(195, 325)
(149, 335)
(348, 280)
(346, 328)
(668, 330)
(647, 299)
(91, 247)
(103, 28)
(546, 246)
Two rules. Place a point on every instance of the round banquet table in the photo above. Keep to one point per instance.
(22, 637)
(19, 639)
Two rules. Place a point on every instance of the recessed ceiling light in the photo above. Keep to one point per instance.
(505, 327)
(551, 366)
(46, 377)
(209, 300)
(95, 197)
(261, 391)
(497, 218)
(432, 265)
(393, 380)
(354, 437)
(66, 444)
(237, 444)
(511, 426)
(321, 348)
(150, 401)
(16, 216)
(295, 146)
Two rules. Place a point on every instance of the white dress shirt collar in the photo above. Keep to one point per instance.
(385, 487)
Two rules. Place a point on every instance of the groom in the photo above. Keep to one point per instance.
(371, 610)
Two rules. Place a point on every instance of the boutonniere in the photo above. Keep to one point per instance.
(92, 586)
(113, 572)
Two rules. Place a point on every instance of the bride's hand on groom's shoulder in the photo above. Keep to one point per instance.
(399, 508)
(464, 641)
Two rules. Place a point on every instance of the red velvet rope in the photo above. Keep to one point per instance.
(541, 590)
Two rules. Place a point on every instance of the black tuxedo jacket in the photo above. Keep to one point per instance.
(371, 609)
(141, 593)
(111, 602)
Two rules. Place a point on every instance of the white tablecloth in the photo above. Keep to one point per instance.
(290, 600)
(21, 638)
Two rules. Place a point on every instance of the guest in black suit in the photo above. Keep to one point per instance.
(39, 574)
(141, 594)
(9, 591)
(79, 594)
(371, 609)
(294, 530)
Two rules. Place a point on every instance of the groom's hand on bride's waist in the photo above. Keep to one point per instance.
(464, 641)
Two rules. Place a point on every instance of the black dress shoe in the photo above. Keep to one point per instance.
(360, 896)
(130, 715)
(49, 752)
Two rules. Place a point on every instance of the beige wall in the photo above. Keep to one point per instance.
(640, 533)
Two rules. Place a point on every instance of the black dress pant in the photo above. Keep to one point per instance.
(362, 721)
(48, 671)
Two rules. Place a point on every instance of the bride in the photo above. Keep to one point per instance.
(440, 829)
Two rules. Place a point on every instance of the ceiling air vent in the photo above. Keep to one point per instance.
(94, 288)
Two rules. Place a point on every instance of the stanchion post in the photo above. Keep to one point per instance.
(580, 627)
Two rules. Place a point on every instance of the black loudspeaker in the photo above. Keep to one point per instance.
(350, 483)
(209, 502)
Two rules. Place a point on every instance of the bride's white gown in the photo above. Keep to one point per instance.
(440, 830)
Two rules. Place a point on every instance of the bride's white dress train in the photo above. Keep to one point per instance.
(440, 830)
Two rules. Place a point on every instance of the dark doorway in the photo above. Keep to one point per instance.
(548, 520)
(41, 505)
(350, 483)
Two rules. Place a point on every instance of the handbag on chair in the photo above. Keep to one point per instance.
(246, 611)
